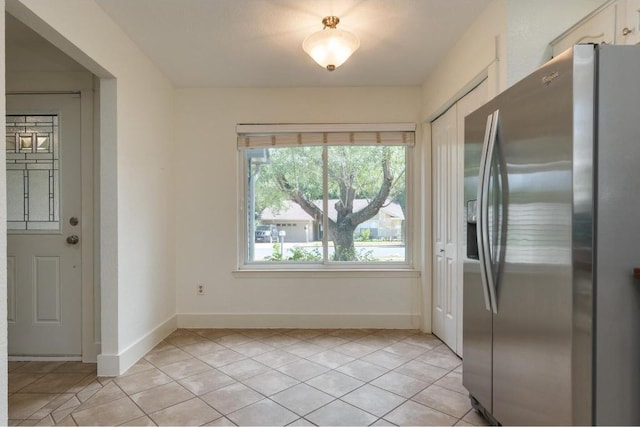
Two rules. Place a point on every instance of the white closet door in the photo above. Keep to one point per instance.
(445, 186)
(447, 139)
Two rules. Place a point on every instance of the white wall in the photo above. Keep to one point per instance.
(472, 58)
(208, 217)
(137, 175)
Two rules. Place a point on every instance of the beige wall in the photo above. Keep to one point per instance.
(208, 218)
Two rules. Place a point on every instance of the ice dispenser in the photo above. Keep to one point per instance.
(472, 229)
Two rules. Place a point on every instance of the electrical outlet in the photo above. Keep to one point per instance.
(200, 289)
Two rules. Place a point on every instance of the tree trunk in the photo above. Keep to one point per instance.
(341, 230)
(342, 237)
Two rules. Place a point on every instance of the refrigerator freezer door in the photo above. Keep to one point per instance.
(532, 332)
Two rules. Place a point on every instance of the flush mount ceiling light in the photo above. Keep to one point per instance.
(331, 47)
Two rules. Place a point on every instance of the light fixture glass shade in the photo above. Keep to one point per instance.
(331, 47)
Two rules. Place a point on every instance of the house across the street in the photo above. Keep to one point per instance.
(302, 227)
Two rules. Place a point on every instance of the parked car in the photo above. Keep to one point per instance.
(266, 233)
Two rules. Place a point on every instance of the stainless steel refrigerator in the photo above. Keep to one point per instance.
(551, 317)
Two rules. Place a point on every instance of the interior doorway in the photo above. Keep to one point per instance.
(53, 292)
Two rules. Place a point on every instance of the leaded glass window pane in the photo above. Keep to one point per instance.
(33, 187)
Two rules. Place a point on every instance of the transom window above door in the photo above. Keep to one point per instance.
(325, 195)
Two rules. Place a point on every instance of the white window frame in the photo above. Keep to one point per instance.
(359, 267)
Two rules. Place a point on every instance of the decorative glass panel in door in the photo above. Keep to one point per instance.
(33, 165)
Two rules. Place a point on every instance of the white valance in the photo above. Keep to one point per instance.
(290, 135)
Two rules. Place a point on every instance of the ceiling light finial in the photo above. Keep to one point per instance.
(330, 21)
(331, 47)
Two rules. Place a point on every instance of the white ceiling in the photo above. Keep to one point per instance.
(245, 43)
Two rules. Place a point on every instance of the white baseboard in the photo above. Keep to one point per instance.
(110, 365)
(44, 358)
(295, 320)
(116, 364)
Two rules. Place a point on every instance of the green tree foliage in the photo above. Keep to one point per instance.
(374, 173)
(302, 166)
(365, 235)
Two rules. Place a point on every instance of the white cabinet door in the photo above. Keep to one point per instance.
(447, 142)
(599, 28)
(630, 29)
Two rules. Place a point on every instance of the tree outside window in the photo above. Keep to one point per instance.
(356, 192)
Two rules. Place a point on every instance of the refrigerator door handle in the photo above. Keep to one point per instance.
(485, 253)
(491, 151)
(481, 236)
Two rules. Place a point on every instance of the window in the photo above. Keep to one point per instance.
(325, 194)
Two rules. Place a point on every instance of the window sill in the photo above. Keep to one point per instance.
(327, 274)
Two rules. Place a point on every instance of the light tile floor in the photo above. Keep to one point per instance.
(275, 377)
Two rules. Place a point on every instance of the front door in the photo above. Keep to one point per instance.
(44, 271)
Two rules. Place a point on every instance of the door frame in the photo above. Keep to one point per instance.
(82, 83)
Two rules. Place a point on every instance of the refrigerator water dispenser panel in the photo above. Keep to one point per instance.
(472, 229)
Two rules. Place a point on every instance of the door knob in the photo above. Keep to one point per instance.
(73, 240)
(626, 31)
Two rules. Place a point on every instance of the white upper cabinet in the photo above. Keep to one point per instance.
(630, 28)
(615, 22)
(597, 27)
